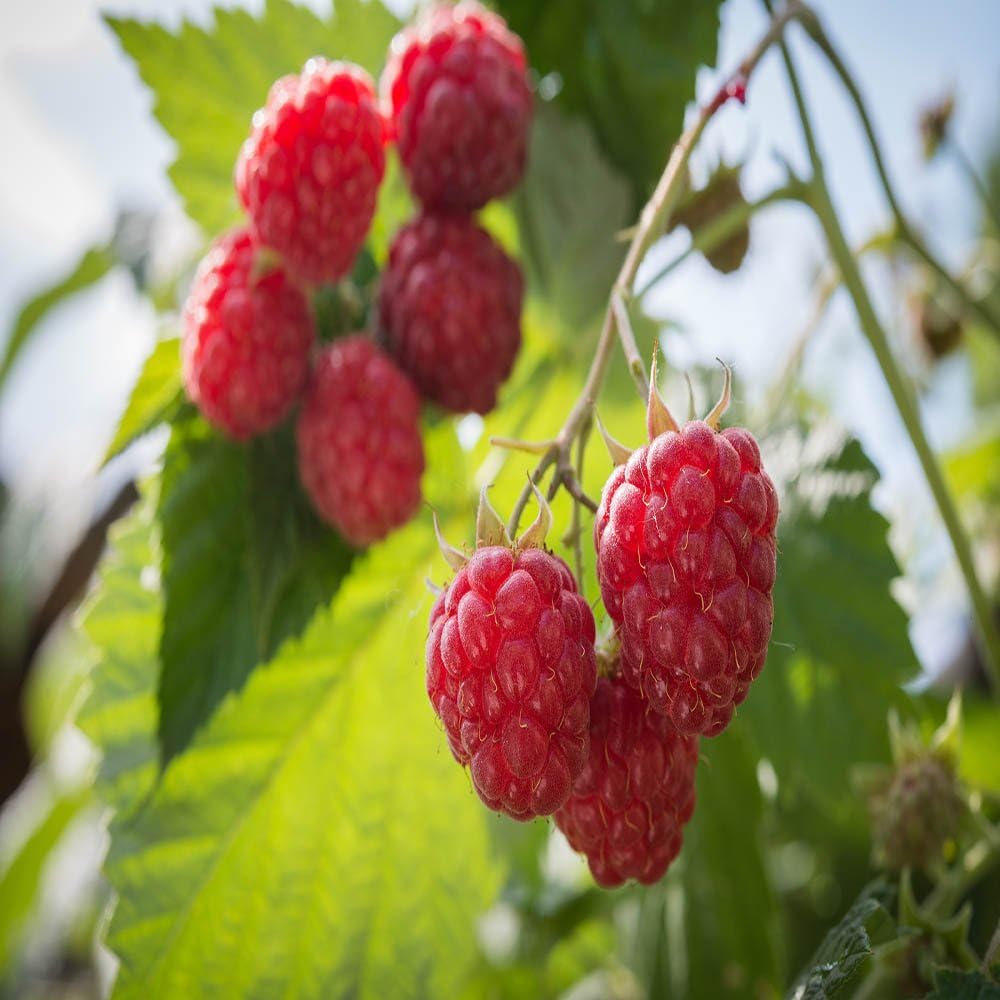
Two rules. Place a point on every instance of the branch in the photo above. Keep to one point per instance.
(652, 221)
(902, 394)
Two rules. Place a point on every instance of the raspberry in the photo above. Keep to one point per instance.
(457, 91)
(308, 175)
(510, 671)
(685, 537)
(248, 332)
(450, 308)
(915, 812)
(360, 452)
(636, 793)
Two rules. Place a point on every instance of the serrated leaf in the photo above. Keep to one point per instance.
(957, 984)
(840, 648)
(848, 947)
(316, 838)
(156, 397)
(207, 82)
(91, 267)
(245, 565)
(121, 621)
(629, 67)
(720, 932)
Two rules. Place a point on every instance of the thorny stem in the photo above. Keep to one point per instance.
(901, 390)
(905, 231)
(652, 221)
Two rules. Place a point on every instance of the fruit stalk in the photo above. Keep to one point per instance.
(652, 220)
(902, 394)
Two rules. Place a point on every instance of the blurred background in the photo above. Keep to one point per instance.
(90, 229)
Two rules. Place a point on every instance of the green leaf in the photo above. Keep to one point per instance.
(840, 647)
(121, 621)
(207, 83)
(570, 208)
(316, 838)
(91, 267)
(978, 760)
(629, 67)
(723, 940)
(156, 397)
(245, 565)
(954, 984)
(847, 948)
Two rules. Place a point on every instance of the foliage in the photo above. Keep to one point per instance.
(285, 817)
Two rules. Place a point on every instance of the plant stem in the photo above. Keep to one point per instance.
(905, 231)
(652, 221)
(901, 390)
(989, 206)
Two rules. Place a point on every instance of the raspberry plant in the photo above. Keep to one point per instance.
(663, 673)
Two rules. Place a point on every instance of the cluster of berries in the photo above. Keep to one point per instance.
(606, 740)
(456, 102)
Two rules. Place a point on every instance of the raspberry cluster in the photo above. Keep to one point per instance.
(458, 105)
(457, 95)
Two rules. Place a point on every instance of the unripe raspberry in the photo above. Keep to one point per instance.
(359, 446)
(457, 92)
(308, 175)
(510, 672)
(248, 332)
(450, 310)
(685, 538)
(631, 801)
(915, 812)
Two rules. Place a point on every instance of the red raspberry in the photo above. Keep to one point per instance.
(456, 88)
(248, 332)
(635, 794)
(308, 175)
(685, 536)
(450, 306)
(510, 671)
(360, 452)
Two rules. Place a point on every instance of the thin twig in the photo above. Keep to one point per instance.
(652, 221)
(627, 337)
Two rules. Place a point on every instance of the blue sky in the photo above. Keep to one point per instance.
(79, 143)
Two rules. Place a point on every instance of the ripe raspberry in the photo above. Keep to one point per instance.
(450, 307)
(636, 793)
(510, 671)
(308, 175)
(915, 812)
(248, 332)
(685, 537)
(457, 91)
(360, 452)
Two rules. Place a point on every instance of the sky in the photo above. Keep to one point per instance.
(79, 143)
